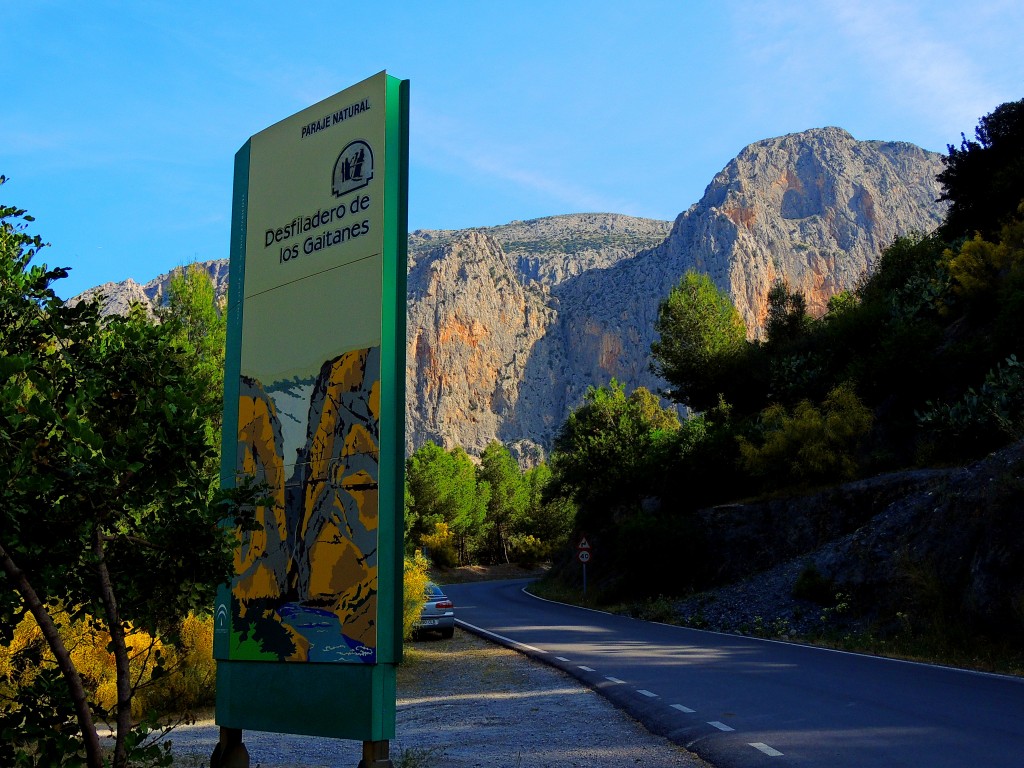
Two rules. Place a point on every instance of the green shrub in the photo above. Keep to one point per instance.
(414, 585)
(982, 419)
(811, 444)
(527, 549)
(660, 608)
(979, 267)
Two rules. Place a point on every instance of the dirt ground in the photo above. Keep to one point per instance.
(464, 703)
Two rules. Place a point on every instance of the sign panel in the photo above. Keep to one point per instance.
(314, 410)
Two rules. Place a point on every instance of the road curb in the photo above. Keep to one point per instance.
(652, 714)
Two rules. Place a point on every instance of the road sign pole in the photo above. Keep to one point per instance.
(583, 555)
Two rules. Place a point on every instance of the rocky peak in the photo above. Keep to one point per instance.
(117, 298)
(814, 208)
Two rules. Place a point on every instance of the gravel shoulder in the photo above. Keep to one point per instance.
(464, 703)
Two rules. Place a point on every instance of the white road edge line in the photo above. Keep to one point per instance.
(681, 708)
(771, 752)
(586, 669)
(499, 637)
(648, 694)
(614, 680)
(720, 726)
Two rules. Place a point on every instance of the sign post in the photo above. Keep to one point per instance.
(583, 555)
(309, 632)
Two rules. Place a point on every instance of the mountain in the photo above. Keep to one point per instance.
(509, 325)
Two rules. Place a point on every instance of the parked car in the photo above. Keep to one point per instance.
(438, 614)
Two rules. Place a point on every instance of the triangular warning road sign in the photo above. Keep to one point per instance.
(584, 544)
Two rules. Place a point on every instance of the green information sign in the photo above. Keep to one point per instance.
(309, 630)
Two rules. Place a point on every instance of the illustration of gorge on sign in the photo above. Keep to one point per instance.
(320, 344)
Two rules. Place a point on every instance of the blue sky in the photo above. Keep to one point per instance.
(120, 120)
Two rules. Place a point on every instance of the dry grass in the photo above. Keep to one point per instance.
(471, 573)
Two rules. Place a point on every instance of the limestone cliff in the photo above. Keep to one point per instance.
(815, 209)
(471, 327)
(481, 311)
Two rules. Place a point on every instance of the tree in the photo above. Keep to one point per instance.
(611, 449)
(908, 277)
(468, 500)
(106, 439)
(787, 319)
(509, 499)
(198, 324)
(424, 494)
(548, 520)
(444, 489)
(701, 335)
(983, 180)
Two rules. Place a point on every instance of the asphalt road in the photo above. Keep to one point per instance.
(739, 702)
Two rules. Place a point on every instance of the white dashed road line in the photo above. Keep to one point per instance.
(761, 747)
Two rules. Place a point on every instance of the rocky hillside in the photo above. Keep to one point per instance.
(509, 325)
(921, 549)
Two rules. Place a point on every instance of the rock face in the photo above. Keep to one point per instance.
(118, 298)
(471, 327)
(509, 325)
(482, 310)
